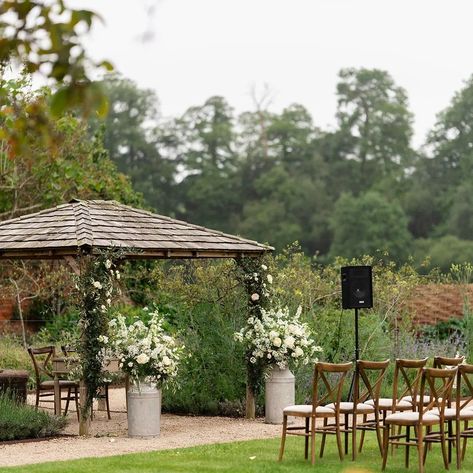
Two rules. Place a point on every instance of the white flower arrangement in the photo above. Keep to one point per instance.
(278, 338)
(145, 351)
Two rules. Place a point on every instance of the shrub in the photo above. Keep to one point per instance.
(14, 356)
(20, 421)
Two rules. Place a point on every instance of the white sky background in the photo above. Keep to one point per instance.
(202, 48)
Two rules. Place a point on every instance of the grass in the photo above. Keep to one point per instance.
(257, 456)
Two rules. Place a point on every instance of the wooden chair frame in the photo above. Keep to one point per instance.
(462, 407)
(439, 398)
(44, 391)
(372, 389)
(318, 410)
(68, 351)
(449, 362)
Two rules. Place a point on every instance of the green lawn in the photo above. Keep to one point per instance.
(240, 457)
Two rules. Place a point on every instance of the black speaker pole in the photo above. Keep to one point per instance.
(357, 341)
(357, 357)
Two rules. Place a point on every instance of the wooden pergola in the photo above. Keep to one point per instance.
(68, 231)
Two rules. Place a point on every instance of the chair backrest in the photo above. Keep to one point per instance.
(41, 358)
(407, 379)
(464, 395)
(369, 375)
(438, 383)
(68, 350)
(445, 362)
(331, 377)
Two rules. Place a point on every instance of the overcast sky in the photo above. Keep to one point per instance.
(200, 48)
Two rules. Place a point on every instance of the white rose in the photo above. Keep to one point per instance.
(289, 342)
(117, 274)
(264, 267)
(142, 358)
(276, 341)
(298, 352)
(270, 279)
(255, 297)
(130, 364)
(299, 311)
(273, 334)
(97, 284)
(108, 264)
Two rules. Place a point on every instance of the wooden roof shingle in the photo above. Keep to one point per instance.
(98, 224)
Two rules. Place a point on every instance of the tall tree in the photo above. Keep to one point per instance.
(134, 140)
(375, 125)
(367, 224)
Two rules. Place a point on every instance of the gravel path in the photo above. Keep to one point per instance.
(109, 437)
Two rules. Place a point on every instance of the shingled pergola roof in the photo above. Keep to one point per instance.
(65, 230)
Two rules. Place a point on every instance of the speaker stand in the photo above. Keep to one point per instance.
(357, 357)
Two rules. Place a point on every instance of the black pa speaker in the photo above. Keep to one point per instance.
(357, 287)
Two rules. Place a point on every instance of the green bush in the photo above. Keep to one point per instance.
(212, 379)
(20, 421)
(13, 356)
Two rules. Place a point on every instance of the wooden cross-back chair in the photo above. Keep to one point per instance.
(370, 375)
(450, 415)
(409, 373)
(41, 358)
(438, 383)
(103, 394)
(328, 377)
(447, 362)
(463, 412)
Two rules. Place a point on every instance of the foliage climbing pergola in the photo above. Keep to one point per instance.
(83, 228)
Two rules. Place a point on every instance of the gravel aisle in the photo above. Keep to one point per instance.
(109, 437)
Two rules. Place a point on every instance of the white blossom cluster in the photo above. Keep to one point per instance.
(145, 350)
(278, 338)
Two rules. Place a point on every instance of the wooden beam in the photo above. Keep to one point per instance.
(72, 262)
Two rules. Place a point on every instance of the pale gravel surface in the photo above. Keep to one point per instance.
(110, 437)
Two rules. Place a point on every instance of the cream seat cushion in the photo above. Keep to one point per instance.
(347, 407)
(451, 413)
(387, 404)
(306, 410)
(411, 418)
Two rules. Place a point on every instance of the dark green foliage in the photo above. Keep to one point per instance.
(19, 421)
(212, 379)
(367, 224)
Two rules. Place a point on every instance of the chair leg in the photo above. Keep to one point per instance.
(450, 440)
(465, 439)
(312, 440)
(443, 444)
(378, 432)
(339, 437)
(420, 448)
(362, 435)
(346, 434)
(37, 398)
(457, 443)
(283, 437)
(76, 400)
(67, 401)
(408, 438)
(107, 402)
(306, 438)
(324, 435)
(386, 429)
(353, 436)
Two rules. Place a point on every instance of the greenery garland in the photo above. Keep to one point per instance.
(253, 275)
(96, 287)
